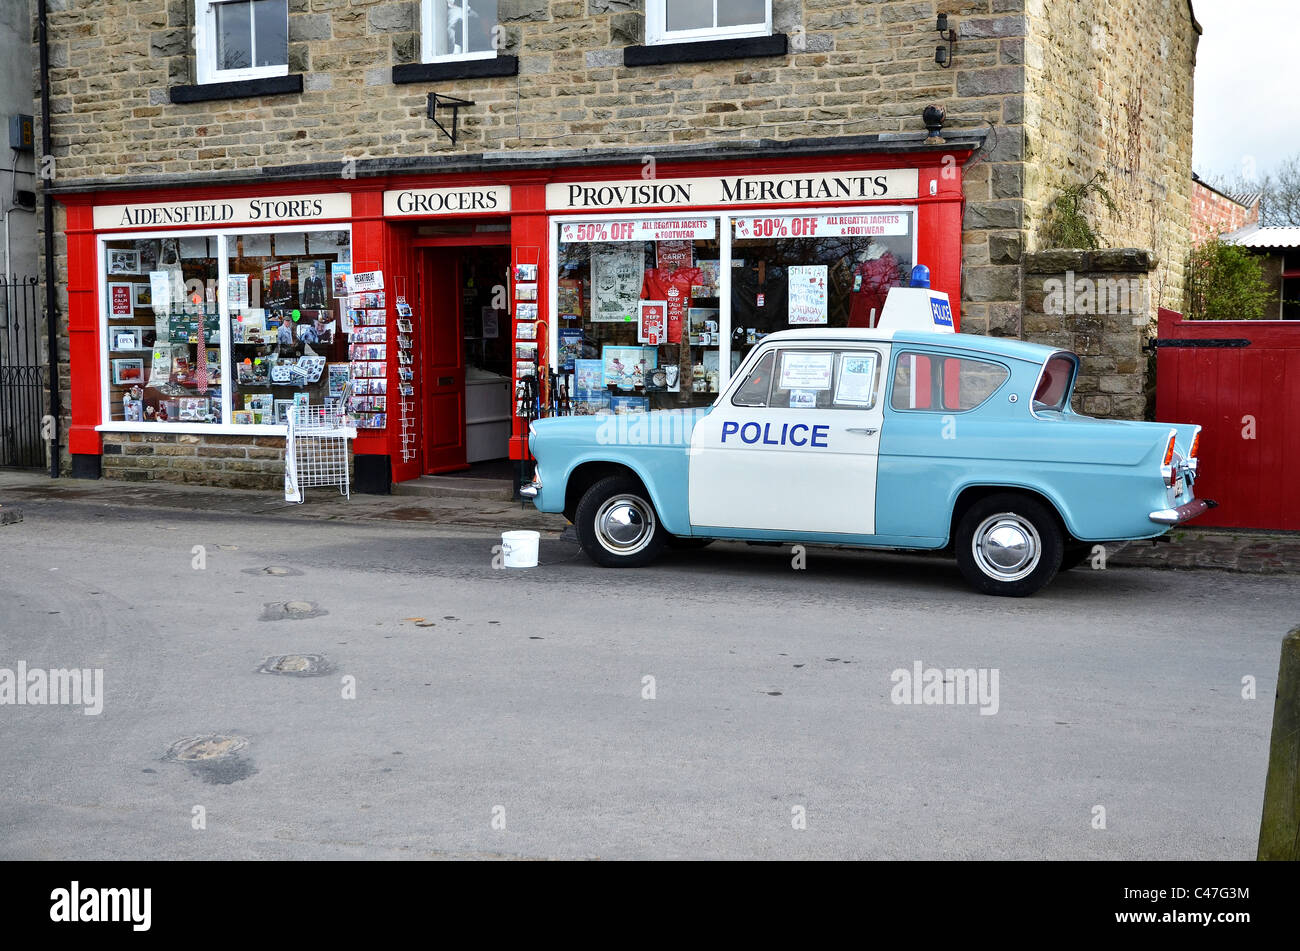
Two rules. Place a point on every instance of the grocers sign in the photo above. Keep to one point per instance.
(446, 201)
(227, 211)
(734, 190)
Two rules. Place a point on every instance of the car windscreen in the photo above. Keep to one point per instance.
(1054, 387)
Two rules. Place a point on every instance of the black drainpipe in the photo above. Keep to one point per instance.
(51, 299)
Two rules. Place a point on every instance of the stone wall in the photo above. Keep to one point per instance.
(1098, 304)
(1109, 88)
(853, 68)
(232, 462)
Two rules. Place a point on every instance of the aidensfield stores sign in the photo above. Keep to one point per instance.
(734, 190)
(225, 211)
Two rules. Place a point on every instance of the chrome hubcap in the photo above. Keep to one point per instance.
(625, 524)
(1006, 547)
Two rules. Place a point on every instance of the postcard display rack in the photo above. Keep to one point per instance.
(367, 327)
(405, 369)
(529, 357)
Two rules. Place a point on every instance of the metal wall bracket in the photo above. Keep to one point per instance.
(438, 101)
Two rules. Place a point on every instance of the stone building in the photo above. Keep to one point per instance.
(507, 179)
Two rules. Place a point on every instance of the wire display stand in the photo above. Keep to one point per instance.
(316, 453)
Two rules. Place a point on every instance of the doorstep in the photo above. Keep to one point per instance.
(457, 487)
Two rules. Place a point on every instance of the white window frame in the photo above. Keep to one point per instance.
(205, 49)
(725, 219)
(225, 428)
(428, 46)
(657, 32)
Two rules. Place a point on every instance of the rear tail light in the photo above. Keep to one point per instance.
(1167, 469)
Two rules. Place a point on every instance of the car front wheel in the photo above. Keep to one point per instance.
(616, 524)
(1009, 545)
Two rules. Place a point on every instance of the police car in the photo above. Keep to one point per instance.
(904, 436)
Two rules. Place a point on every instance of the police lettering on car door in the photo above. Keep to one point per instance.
(766, 434)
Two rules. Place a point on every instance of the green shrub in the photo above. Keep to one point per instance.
(1067, 225)
(1225, 282)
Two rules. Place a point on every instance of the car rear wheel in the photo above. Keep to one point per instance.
(616, 524)
(1009, 545)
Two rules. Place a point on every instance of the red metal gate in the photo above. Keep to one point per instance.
(1240, 379)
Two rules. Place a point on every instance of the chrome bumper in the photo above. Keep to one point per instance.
(1183, 513)
(530, 490)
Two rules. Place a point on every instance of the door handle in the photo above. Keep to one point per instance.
(862, 432)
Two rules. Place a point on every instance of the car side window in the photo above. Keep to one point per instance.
(755, 389)
(940, 383)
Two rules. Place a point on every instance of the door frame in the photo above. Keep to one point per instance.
(452, 248)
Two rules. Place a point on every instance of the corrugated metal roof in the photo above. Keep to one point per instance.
(1253, 236)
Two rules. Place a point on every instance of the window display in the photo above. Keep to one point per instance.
(830, 270)
(169, 360)
(164, 332)
(282, 345)
(628, 297)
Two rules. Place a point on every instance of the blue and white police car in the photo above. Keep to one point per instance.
(904, 436)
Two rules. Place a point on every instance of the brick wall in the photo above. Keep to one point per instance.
(1213, 213)
(233, 462)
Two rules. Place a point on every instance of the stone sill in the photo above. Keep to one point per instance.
(1080, 260)
(242, 89)
(706, 51)
(459, 69)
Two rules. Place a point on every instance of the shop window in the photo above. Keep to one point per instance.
(459, 29)
(814, 270)
(677, 21)
(290, 346)
(925, 381)
(637, 316)
(241, 39)
(170, 361)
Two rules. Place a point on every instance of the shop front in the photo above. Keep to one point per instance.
(451, 309)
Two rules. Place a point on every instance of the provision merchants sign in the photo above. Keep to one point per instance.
(734, 190)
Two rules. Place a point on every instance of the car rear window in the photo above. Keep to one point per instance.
(940, 383)
(1054, 387)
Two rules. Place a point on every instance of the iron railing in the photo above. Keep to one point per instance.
(23, 369)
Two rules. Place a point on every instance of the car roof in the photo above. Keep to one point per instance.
(1001, 346)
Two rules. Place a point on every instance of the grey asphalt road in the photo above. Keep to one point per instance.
(514, 721)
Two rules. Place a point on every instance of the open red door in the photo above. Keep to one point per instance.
(444, 363)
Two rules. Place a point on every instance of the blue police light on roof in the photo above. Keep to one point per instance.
(920, 277)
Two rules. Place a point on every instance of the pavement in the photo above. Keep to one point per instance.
(361, 680)
(1188, 547)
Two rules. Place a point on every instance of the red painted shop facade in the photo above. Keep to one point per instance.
(432, 298)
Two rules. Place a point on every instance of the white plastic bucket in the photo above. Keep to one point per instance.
(520, 549)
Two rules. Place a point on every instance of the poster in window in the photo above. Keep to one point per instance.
(312, 292)
(857, 383)
(625, 367)
(339, 273)
(616, 276)
(491, 323)
(672, 255)
(570, 344)
(807, 294)
(237, 291)
(121, 303)
(653, 322)
(568, 295)
(588, 379)
(806, 371)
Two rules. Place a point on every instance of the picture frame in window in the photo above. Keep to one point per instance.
(193, 409)
(123, 261)
(128, 371)
(125, 338)
(142, 295)
(858, 380)
(282, 408)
